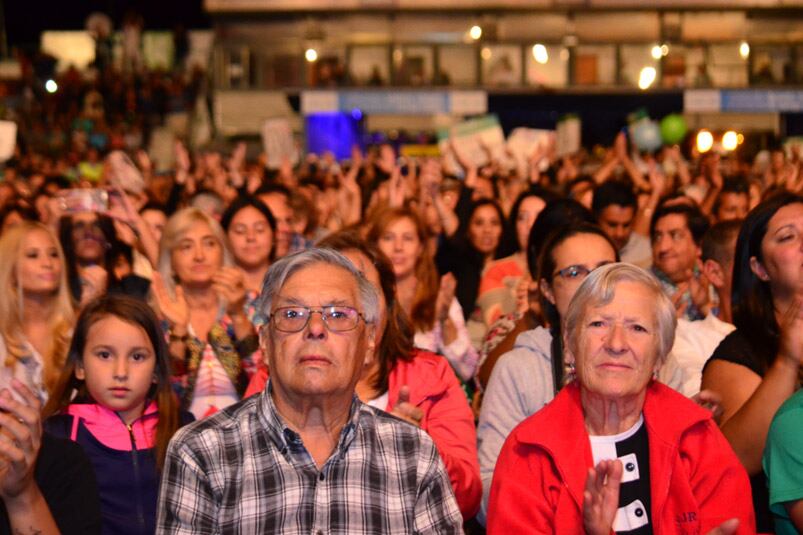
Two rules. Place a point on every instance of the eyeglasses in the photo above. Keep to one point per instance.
(576, 271)
(337, 319)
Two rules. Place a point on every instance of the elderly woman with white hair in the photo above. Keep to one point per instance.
(201, 296)
(616, 451)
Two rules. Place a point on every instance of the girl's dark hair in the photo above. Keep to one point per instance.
(397, 340)
(113, 248)
(753, 311)
(244, 201)
(555, 215)
(136, 313)
(510, 241)
(25, 212)
(546, 269)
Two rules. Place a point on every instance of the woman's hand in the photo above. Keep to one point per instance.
(229, 284)
(406, 410)
(173, 309)
(445, 297)
(601, 497)
(94, 281)
(791, 343)
(20, 439)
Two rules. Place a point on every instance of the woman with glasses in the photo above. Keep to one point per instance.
(201, 296)
(415, 385)
(528, 377)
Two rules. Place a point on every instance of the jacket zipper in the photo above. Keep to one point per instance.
(140, 512)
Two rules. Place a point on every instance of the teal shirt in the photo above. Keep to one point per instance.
(783, 461)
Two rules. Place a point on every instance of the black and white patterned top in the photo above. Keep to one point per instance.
(632, 449)
(244, 471)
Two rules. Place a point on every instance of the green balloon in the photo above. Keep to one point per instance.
(673, 128)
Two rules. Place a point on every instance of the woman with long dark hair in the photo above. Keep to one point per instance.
(756, 367)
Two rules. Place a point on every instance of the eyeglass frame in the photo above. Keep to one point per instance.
(582, 267)
(310, 311)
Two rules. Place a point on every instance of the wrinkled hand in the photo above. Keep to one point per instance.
(523, 291)
(229, 284)
(173, 309)
(406, 410)
(20, 439)
(699, 289)
(601, 497)
(93, 282)
(728, 527)
(445, 296)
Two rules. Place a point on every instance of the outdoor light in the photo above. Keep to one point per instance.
(730, 140)
(540, 53)
(646, 77)
(475, 32)
(311, 55)
(51, 86)
(744, 49)
(705, 140)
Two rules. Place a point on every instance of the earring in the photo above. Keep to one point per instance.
(569, 373)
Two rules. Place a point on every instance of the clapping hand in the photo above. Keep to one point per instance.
(601, 497)
(174, 309)
(229, 284)
(20, 439)
(406, 410)
(445, 296)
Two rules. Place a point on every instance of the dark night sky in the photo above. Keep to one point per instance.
(26, 19)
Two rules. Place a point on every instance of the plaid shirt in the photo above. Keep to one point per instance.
(244, 471)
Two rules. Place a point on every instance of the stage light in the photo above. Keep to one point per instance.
(705, 140)
(311, 55)
(475, 32)
(744, 49)
(51, 86)
(540, 53)
(730, 140)
(646, 77)
(655, 52)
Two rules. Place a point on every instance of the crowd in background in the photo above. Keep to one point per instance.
(477, 266)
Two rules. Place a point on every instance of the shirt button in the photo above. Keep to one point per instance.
(630, 467)
(639, 512)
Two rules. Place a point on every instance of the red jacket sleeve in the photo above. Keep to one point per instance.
(258, 382)
(524, 492)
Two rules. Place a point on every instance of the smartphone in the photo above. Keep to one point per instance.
(83, 200)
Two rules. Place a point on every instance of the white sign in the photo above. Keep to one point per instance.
(568, 137)
(475, 138)
(277, 138)
(8, 139)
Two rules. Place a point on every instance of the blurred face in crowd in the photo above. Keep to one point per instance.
(529, 209)
(782, 252)
(88, 239)
(673, 249)
(250, 237)
(574, 259)
(156, 220)
(118, 365)
(483, 189)
(485, 229)
(617, 222)
(732, 206)
(402, 246)
(615, 354)
(198, 256)
(39, 266)
(280, 208)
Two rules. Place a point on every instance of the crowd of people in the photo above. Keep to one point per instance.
(607, 343)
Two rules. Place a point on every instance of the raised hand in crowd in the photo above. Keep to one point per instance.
(20, 440)
(94, 282)
(171, 308)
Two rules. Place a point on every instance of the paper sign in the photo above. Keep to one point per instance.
(8, 139)
(474, 138)
(277, 138)
(568, 136)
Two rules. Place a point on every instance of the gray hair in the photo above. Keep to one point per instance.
(281, 270)
(598, 289)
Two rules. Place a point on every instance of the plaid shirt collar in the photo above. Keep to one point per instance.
(287, 440)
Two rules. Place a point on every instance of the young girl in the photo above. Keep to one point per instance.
(114, 399)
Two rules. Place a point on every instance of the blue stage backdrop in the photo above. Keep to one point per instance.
(333, 131)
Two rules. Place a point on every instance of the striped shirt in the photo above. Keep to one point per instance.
(244, 471)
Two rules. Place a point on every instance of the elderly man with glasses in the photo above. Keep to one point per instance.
(306, 456)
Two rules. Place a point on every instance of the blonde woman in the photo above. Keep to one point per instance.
(36, 310)
(201, 297)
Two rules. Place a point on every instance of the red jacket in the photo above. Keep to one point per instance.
(448, 419)
(696, 481)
